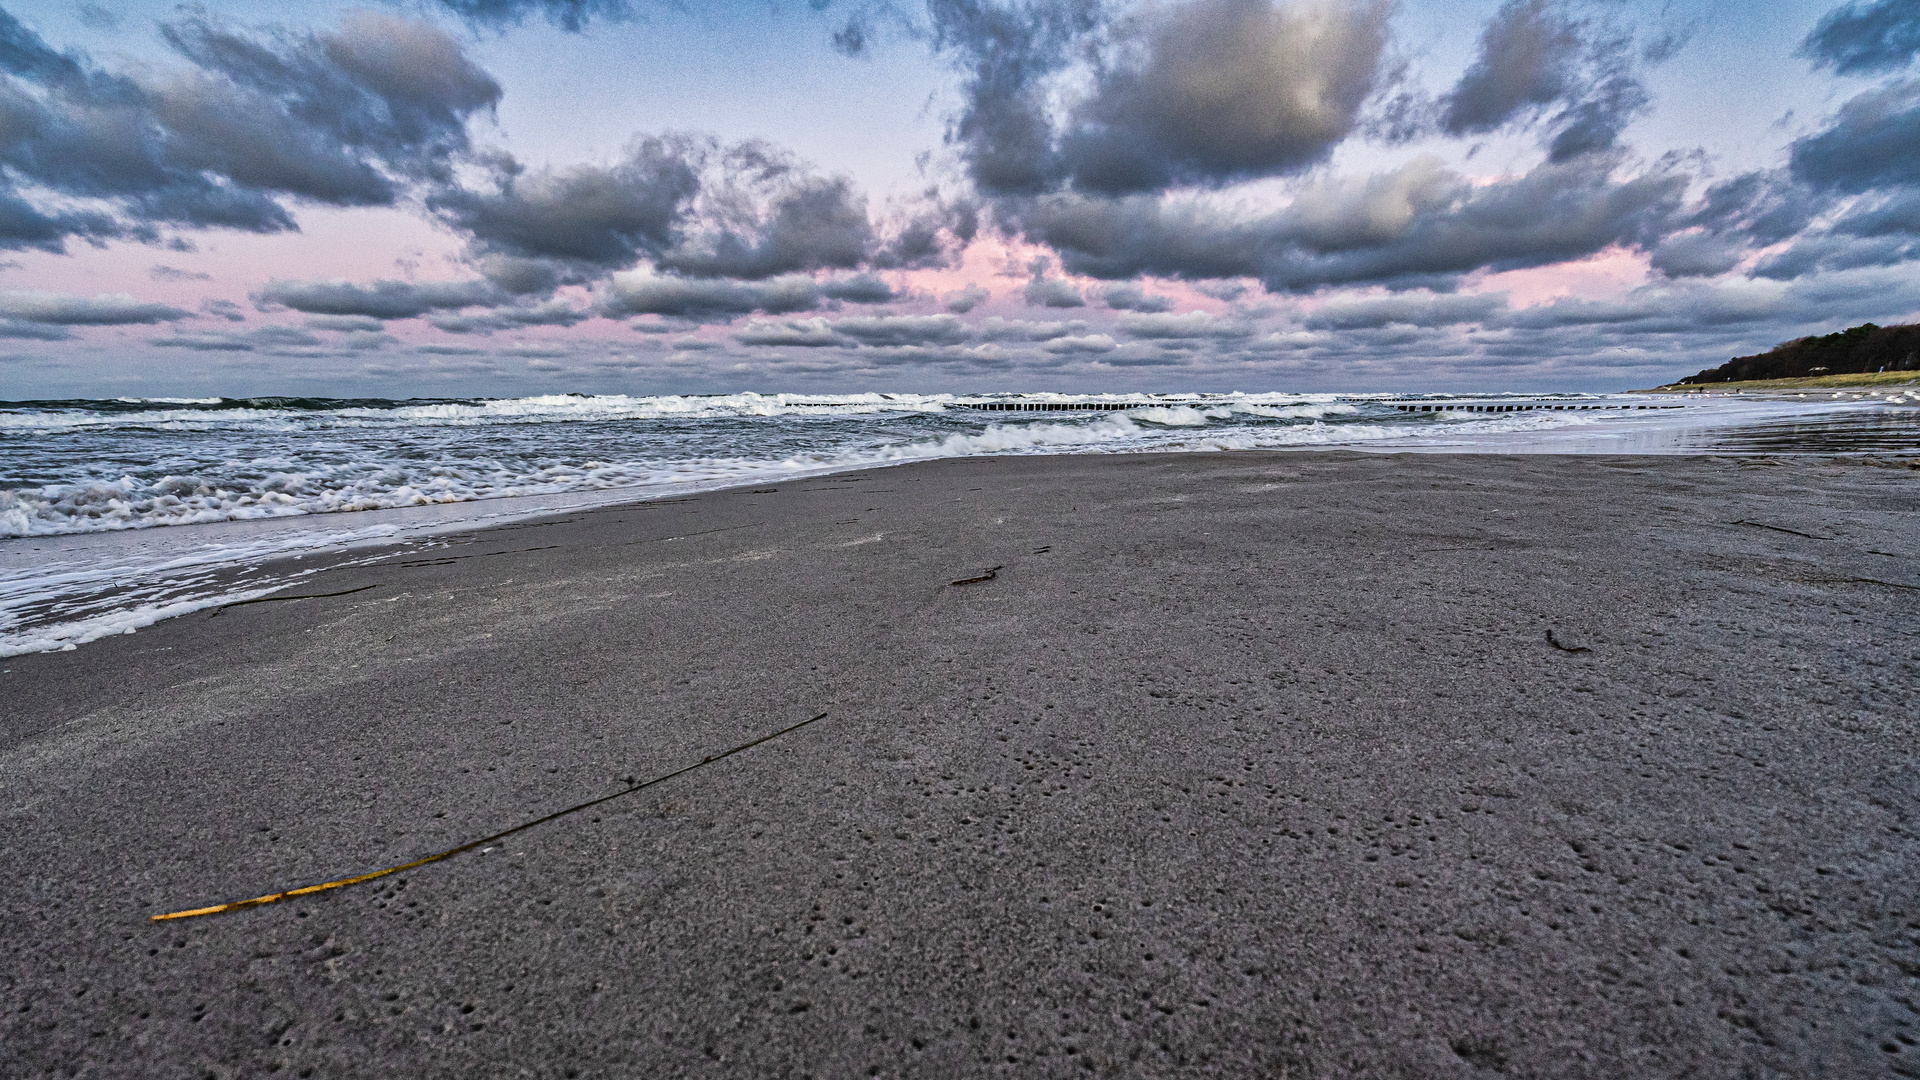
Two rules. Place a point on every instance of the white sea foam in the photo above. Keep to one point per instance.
(208, 465)
(241, 463)
(93, 590)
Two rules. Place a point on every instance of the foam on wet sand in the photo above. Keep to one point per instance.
(1240, 764)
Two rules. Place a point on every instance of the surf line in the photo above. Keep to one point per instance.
(309, 890)
(278, 599)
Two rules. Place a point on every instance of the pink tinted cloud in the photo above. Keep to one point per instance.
(1605, 275)
(1001, 266)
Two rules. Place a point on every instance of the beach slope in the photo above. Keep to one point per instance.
(1235, 764)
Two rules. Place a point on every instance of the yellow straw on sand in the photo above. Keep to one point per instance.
(308, 890)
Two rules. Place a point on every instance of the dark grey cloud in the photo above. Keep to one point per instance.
(1143, 360)
(378, 111)
(1865, 39)
(691, 206)
(61, 309)
(760, 213)
(352, 117)
(961, 301)
(648, 292)
(858, 289)
(78, 131)
(1653, 309)
(346, 322)
(163, 272)
(1887, 214)
(1194, 325)
(284, 337)
(1650, 335)
(1874, 141)
(1214, 91)
(33, 331)
(645, 292)
(1132, 296)
(1535, 59)
(380, 300)
(213, 342)
(1418, 225)
(1697, 254)
(223, 309)
(1207, 92)
(603, 217)
(1527, 59)
(1081, 343)
(95, 17)
(23, 225)
(520, 276)
(1053, 293)
(265, 338)
(932, 233)
(365, 340)
(1007, 49)
(771, 218)
(662, 326)
(1224, 291)
(1044, 291)
(1827, 251)
(1592, 123)
(1647, 336)
(903, 335)
(1439, 340)
(1878, 229)
(327, 116)
(1766, 207)
(996, 328)
(569, 15)
(1406, 309)
(854, 34)
(880, 330)
(1658, 309)
(1849, 198)
(807, 334)
(552, 313)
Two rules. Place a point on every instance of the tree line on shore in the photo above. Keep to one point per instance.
(1853, 351)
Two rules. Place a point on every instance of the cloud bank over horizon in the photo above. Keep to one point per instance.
(1210, 194)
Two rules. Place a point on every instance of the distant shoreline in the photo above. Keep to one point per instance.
(1808, 382)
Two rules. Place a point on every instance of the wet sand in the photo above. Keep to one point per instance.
(1241, 765)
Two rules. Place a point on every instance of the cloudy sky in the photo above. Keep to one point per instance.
(499, 197)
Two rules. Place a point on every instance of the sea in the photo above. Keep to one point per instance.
(116, 514)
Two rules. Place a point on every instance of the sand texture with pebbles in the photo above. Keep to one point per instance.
(1235, 764)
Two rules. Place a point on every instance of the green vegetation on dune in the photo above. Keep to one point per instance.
(1811, 382)
(1861, 350)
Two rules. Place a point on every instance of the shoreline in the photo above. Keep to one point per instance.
(175, 568)
(1237, 762)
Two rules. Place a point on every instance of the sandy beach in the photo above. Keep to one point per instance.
(1238, 765)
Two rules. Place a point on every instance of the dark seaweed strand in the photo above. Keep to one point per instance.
(308, 890)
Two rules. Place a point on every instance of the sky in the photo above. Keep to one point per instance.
(454, 198)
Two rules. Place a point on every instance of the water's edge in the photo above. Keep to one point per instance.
(115, 563)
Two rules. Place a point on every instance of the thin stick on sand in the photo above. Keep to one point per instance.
(308, 890)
